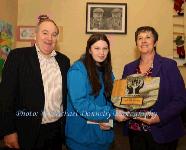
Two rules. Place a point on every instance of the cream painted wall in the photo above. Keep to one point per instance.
(71, 14)
(8, 12)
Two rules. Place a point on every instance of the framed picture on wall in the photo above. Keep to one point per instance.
(26, 33)
(106, 18)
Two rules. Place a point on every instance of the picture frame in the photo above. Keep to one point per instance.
(106, 18)
(26, 33)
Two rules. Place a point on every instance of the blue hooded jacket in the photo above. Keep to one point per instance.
(82, 106)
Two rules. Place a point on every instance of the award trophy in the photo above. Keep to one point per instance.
(134, 93)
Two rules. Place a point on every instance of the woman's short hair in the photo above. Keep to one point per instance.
(146, 29)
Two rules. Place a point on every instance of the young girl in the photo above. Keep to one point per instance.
(89, 109)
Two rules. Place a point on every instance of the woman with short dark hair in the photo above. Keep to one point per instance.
(162, 130)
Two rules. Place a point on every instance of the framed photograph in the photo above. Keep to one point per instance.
(26, 33)
(106, 18)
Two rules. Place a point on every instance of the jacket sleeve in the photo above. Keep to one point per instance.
(8, 91)
(76, 83)
(177, 98)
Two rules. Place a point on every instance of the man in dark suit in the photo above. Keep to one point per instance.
(33, 92)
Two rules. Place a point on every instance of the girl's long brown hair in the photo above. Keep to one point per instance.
(91, 67)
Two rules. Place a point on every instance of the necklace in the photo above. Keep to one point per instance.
(144, 68)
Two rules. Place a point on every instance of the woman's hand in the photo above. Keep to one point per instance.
(120, 115)
(152, 119)
(104, 126)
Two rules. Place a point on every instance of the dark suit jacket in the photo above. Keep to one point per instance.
(171, 98)
(22, 94)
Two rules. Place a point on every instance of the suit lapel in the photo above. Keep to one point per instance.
(62, 69)
(156, 65)
(132, 69)
(60, 63)
(36, 67)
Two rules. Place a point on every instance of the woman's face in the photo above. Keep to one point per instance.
(99, 51)
(145, 42)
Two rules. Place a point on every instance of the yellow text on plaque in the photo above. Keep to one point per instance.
(131, 101)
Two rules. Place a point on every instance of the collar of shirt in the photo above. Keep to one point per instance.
(52, 54)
